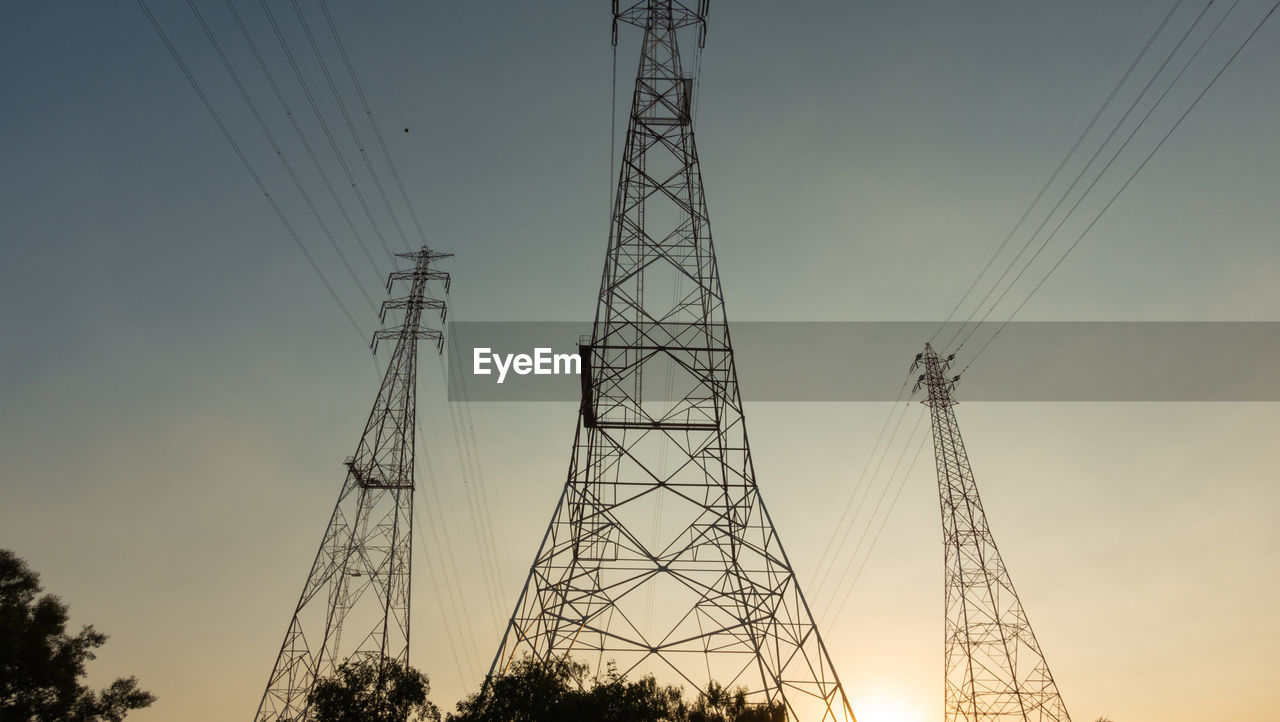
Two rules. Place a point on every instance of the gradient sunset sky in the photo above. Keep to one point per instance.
(177, 389)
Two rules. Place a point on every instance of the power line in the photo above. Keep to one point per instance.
(400, 115)
(471, 441)
(1136, 171)
(827, 560)
(373, 122)
(324, 127)
(342, 107)
(226, 133)
(902, 483)
(1088, 189)
(262, 123)
(879, 502)
(1074, 147)
(485, 545)
(306, 144)
(438, 581)
(457, 600)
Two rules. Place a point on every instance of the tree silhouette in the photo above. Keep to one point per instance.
(41, 666)
(718, 704)
(533, 690)
(558, 690)
(372, 689)
(616, 699)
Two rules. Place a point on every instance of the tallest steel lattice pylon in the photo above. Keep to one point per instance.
(660, 555)
(995, 671)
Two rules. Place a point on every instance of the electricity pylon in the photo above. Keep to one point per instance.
(360, 578)
(660, 555)
(995, 671)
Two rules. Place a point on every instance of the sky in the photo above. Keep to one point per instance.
(178, 389)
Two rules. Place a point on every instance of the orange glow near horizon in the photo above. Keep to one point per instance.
(887, 709)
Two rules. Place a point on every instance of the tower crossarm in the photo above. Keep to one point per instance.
(417, 333)
(422, 270)
(415, 303)
(415, 275)
(682, 14)
(409, 302)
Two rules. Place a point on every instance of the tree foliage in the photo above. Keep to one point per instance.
(373, 689)
(718, 704)
(558, 689)
(41, 665)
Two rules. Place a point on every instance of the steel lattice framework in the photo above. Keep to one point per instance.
(360, 578)
(660, 555)
(995, 670)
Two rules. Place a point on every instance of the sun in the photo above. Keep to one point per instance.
(887, 709)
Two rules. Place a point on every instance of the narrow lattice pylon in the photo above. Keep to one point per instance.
(995, 671)
(355, 602)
